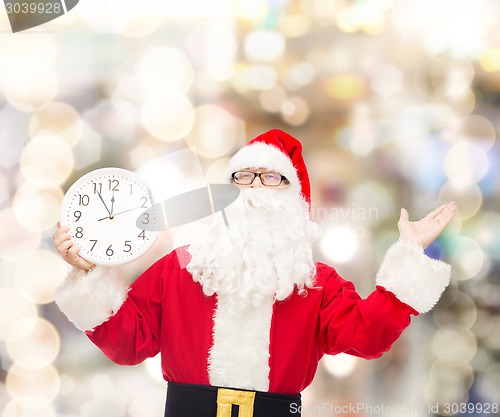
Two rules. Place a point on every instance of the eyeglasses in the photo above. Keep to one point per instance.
(269, 179)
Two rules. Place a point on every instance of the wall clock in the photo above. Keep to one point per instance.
(106, 212)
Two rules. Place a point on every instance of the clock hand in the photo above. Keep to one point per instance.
(121, 212)
(100, 196)
(111, 215)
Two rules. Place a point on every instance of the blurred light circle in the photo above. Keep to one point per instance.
(33, 337)
(141, 154)
(339, 244)
(39, 275)
(126, 87)
(18, 56)
(346, 87)
(15, 306)
(462, 312)
(254, 10)
(445, 389)
(37, 208)
(483, 360)
(452, 342)
(33, 382)
(449, 382)
(239, 83)
(213, 47)
(216, 132)
(491, 335)
(469, 198)
(31, 93)
(347, 20)
(465, 163)
(475, 129)
(88, 150)
(340, 365)
(46, 161)
(490, 60)
(216, 171)
(24, 55)
(485, 229)
(264, 46)
(467, 258)
(489, 382)
(301, 74)
(450, 75)
(16, 241)
(260, 77)
(132, 18)
(368, 17)
(15, 408)
(456, 109)
(59, 119)
(445, 77)
(387, 80)
(272, 99)
(295, 111)
(113, 119)
(458, 370)
(165, 69)
(295, 25)
(167, 117)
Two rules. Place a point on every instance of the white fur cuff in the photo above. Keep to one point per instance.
(90, 299)
(413, 277)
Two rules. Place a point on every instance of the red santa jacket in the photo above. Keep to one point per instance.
(274, 348)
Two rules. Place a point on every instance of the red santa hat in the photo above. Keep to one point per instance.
(277, 151)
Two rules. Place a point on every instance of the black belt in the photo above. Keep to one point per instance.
(186, 400)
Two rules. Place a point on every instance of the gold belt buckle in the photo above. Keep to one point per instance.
(226, 398)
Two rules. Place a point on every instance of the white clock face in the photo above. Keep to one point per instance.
(102, 209)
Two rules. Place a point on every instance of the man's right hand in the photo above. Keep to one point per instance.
(69, 249)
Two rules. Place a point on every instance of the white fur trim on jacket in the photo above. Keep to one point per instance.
(239, 356)
(262, 155)
(413, 277)
(90, 299)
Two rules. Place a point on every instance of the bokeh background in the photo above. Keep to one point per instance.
(397, 104)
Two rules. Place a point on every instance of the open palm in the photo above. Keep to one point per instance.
(424, 231)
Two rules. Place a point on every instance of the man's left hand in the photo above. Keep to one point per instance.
(424, 231)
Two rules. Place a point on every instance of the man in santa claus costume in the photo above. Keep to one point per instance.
(242, 319)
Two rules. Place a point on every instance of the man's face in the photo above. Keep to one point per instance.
(257, 178)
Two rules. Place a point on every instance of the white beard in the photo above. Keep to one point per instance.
(265, 252)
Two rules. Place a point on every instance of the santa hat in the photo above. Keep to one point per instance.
(277, 151)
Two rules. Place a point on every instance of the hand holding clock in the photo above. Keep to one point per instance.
(69, 249)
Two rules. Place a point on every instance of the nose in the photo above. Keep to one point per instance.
(256, 184)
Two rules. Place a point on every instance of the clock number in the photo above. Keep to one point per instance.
(113, 185)
(97, 188)
(77, 215)
(127, 246)
(144, 202)
(145, 219)
(79, 232)
(84, 199)
(93, 246)
(131, 189)
(142, 234)
(109, 251)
